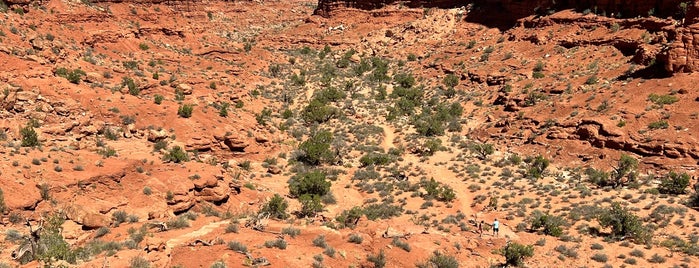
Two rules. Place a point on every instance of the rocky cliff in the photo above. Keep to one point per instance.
(680, 52)
(523, 8)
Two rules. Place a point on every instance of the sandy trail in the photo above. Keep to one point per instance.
(204, 230)
(389, 135)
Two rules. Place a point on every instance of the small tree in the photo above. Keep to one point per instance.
(694, 199)
(551, 224)
(598, 177)
(515, 253)
(624, 224)
(310, 205)
(625, 168)
(674, 183)
(318, 112)
(316, 149)
(537, 167)
(309, 183)
(276, 207)
(482, 150)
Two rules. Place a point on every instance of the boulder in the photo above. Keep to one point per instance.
(185, 89)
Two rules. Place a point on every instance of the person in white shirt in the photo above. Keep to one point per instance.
(496, 227)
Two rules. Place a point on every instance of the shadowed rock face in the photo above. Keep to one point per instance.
(522, 8)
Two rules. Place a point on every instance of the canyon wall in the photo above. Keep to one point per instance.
(522, 8)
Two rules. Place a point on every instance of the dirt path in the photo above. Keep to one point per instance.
(389, 134)
(204, 230)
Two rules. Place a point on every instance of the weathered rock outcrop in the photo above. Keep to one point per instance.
(521, 8)
(680, 52)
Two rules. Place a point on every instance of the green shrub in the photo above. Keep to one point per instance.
(232, 228)
(451, 81)
(551, 224)
(405, 80)
(107, 152)
(329, 94)
(176, 154)
(660, 124)
(316, 149)
(218, 264)
(537, 166)
(143, 46)
(291, 231)
(591, 80)
(439, 260)
(45, 191)
(310, 205)
(374, 158)
(320, 242)
(379, 260)
(139, 262)
(29, 136)
(637, 253)
(130, 84)
(119, 217)
(515, 253)
(318, 112)
(539, 67)
(355, 238)
(661, 100)
(401, 244)
(73, 76)
(600, 257)
(349, 218)
(380, 70)
(131, 64)
(278, 243)
(626, 167)
(383, 211)
(276, 207)
(656, 258)
(309, 183)
(432, 146)
(482, 150)
(624, 223)
(237, 246)
(223, 109)
(185, 110)
(158, 99)
(598, 177)
(674, 183)
(694, 198)
(102, 231)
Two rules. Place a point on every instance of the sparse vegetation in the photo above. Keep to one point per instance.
(176, 154)
(276, 207)
(674, 183)
(624, 223)
(516, 253)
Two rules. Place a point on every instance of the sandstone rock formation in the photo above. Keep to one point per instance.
(680, 51)
(519, 8)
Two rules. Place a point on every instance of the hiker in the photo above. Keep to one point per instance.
(480, 229)
(496, 227)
